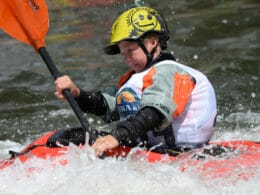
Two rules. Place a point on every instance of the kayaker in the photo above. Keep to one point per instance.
(159, 102)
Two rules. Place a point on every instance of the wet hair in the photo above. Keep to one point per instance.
(162, 40)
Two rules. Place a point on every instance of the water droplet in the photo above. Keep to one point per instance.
(195, 56)
(224, 21)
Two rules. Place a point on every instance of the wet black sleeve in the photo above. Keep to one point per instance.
(129, 130)
(91, 102)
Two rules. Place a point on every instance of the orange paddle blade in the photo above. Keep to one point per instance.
(25, 20)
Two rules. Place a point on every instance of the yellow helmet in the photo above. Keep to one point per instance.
(133, 24)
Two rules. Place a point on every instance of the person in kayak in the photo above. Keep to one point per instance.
(159, 102)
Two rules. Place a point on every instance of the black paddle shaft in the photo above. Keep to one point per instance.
(55, 73)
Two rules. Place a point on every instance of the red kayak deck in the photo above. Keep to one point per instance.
(228, 157)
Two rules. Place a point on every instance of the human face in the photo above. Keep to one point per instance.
(133, 55)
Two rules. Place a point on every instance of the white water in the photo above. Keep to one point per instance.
(86, 174)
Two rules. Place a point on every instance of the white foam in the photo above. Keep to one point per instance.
(86, 174)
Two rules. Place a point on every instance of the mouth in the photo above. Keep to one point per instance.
(134, 66)
(145, 25)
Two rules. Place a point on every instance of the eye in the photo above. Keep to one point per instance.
(141, 17)
(130, 50)
(149, 17)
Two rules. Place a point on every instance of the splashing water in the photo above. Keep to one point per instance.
(86, 174)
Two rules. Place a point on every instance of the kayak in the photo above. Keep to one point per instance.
(217, 159)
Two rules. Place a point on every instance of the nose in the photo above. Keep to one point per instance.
(127, 58)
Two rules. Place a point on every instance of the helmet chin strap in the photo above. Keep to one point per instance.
(149, 55)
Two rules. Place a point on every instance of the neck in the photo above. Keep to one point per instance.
(160, 57)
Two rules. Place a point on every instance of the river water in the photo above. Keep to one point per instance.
(219, 38)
